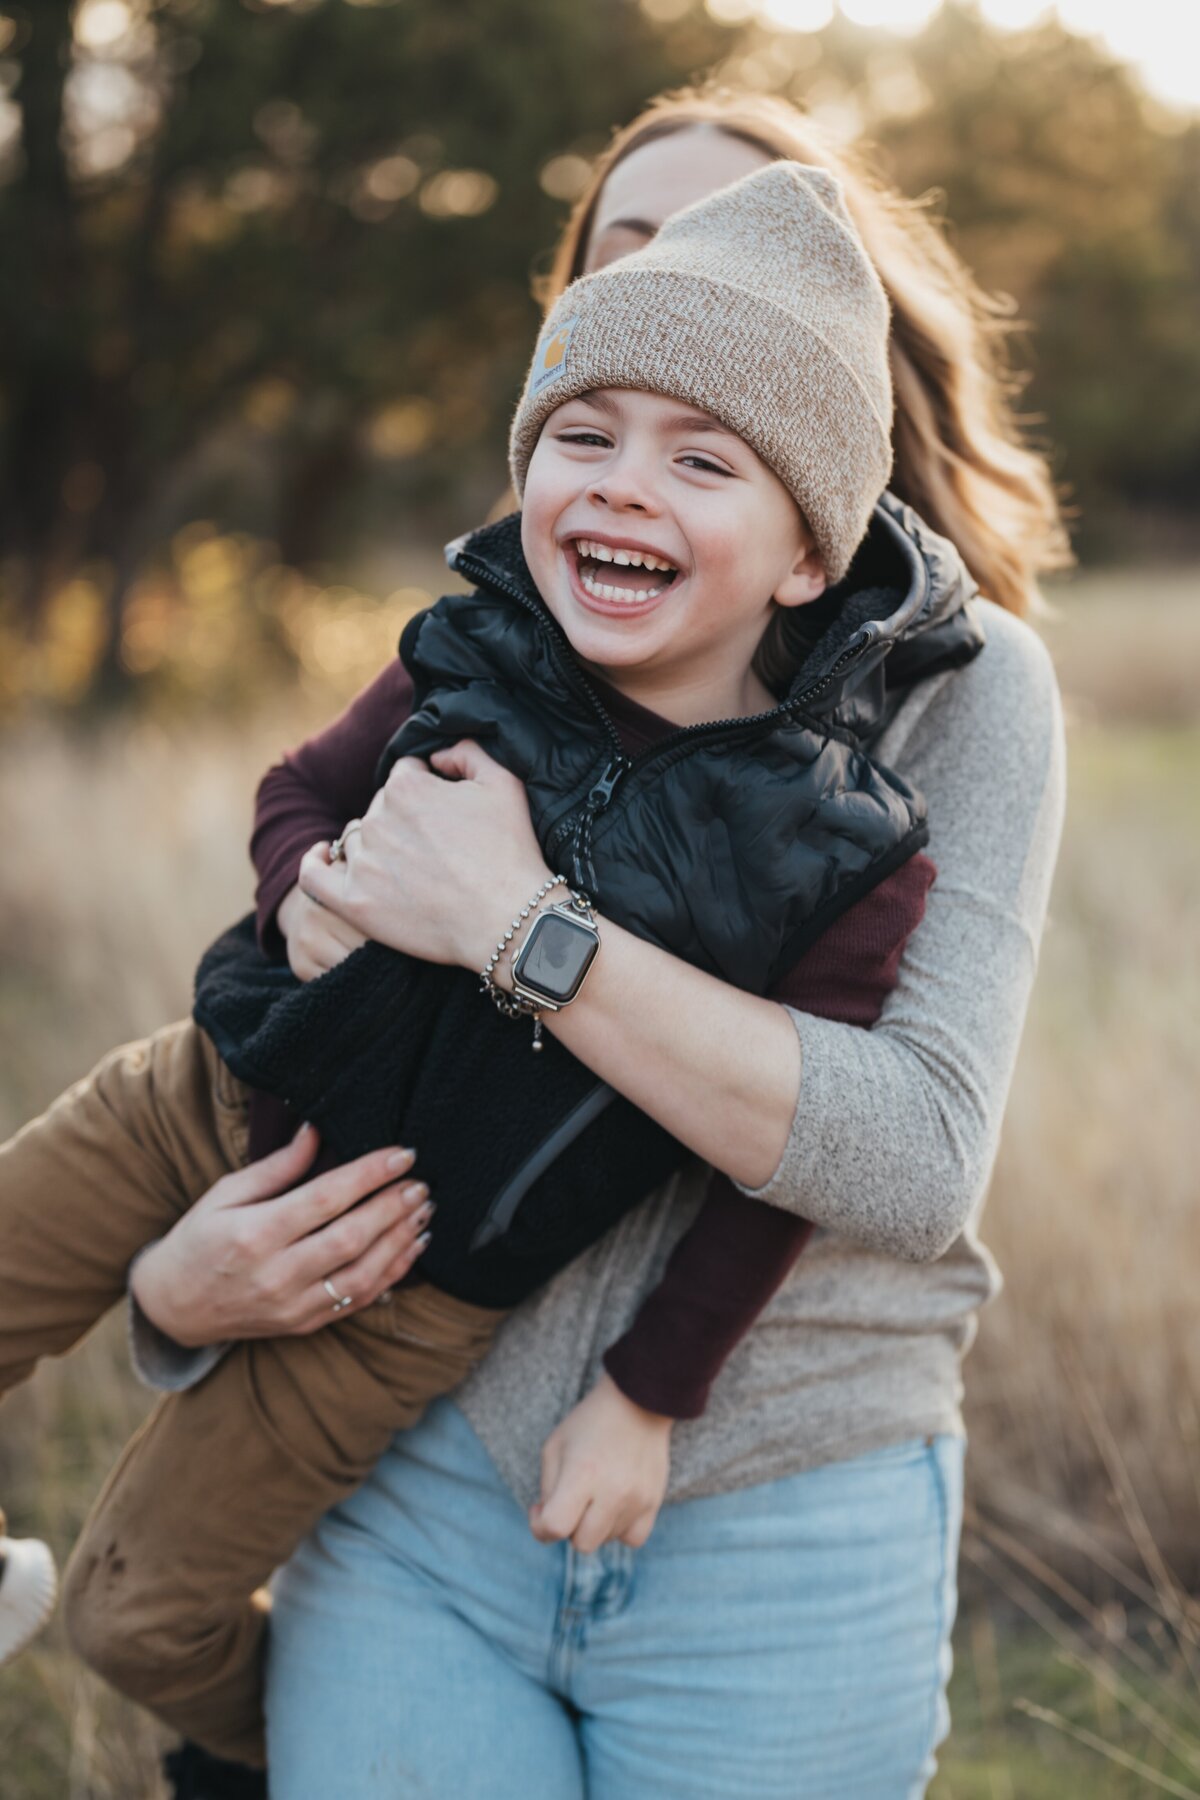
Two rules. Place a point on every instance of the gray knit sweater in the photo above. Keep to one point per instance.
(890, 1150)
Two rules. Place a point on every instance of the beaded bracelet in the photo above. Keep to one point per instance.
(511, 1004)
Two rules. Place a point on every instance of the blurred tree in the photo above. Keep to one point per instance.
(1065, 188)
(315, 218)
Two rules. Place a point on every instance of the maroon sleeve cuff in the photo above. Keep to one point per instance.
(317, 789)
(720, 1275)
(737, 1251)
(287, 824)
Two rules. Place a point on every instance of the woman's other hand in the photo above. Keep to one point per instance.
(317, 939)
(251, 1257)
(440, 865)
(604, 1472)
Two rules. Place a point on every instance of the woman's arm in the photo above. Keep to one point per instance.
(439, 869)
(893, 1132)
(718, 1067)
(734, 1255)
(890, 1139)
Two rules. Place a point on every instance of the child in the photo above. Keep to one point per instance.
(741, 360)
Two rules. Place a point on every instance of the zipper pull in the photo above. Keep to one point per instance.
(602, 793)
(598, 798)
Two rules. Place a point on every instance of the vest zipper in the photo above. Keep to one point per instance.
(568, 666)
(601, 793)
(598, 798)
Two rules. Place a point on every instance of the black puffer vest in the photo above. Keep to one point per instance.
(732, 845)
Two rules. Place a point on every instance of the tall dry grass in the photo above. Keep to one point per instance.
(124, 853)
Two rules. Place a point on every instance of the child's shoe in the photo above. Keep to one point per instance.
(28, 1585)
(195, 1775)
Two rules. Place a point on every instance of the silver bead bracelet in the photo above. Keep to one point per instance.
(512, 1005)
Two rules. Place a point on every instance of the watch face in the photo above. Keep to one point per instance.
(556, 956)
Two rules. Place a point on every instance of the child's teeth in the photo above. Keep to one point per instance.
(637, 559)
(602, 591)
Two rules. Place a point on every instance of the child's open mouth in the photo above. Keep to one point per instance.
(618, 577)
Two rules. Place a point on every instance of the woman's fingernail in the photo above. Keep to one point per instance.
(400, 1159)
(425, 1214)
(415, 1193)
(424, 1241)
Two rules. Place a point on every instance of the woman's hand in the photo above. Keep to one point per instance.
(251, 1257)
(317, 940)
(604, 1472)
(440, 865)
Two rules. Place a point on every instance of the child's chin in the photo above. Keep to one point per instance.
(609, 651)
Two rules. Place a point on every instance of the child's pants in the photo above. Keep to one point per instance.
(223, 1480)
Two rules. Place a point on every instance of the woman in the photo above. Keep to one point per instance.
(786, 1629)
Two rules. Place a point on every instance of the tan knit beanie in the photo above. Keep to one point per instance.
(760, 305)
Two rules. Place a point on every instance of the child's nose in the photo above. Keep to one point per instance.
(623, 490)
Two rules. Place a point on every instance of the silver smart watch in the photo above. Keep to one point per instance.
(550, 967)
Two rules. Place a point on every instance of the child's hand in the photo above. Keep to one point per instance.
(317, 939)
(604, 1472)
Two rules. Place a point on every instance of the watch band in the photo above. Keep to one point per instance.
(486, 983)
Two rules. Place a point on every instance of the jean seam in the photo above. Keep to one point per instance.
(942, 1504)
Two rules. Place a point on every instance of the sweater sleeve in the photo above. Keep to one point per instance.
(895, 1130)
(734, 1256)
(317, 789)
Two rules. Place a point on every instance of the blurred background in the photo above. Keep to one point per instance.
(265, 304)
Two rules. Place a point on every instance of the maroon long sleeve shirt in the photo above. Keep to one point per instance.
(737, 1251)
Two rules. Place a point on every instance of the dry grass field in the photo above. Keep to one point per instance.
(1078, 1646)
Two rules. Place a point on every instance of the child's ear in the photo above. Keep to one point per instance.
(804, 581)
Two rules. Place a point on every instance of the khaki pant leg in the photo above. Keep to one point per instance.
(109, 1167)
(220, 1486)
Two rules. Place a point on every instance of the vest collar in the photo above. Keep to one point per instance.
(901, 603)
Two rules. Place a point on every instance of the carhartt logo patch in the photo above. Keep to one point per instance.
(551, 360)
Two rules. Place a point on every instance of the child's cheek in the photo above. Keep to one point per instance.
(539, 554)
(534, 531)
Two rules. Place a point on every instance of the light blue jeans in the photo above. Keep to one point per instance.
(783, 1642)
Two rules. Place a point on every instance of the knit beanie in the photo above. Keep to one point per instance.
(759, 305)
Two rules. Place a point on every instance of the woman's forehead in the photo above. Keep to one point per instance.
(669, 173)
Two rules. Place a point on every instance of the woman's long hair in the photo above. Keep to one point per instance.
(959, 459)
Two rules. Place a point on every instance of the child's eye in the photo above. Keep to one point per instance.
(702, 462)
(583, 437)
